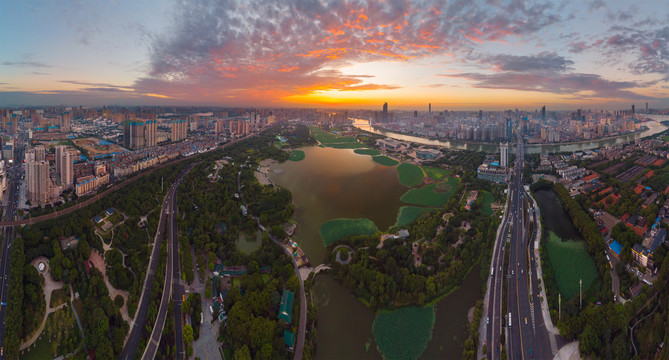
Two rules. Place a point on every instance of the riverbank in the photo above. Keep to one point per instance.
(654, 128)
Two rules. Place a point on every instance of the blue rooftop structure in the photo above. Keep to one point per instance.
(658, 239)
(616, 247)
(495, 163)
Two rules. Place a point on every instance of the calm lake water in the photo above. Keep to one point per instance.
(556, 219)
(337, 183)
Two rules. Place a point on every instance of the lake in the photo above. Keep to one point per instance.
(337, 183)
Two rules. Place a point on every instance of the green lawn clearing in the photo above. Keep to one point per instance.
(297, 155)
(371, 152)
(408, 214)
(436, 194)
(336, 229)
(410, 175)
(436, 173)
(487, 201)
(384, 160)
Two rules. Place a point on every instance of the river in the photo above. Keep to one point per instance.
(654, 127)
(333, 183)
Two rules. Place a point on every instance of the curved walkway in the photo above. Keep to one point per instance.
(49, 286)
(338, 256)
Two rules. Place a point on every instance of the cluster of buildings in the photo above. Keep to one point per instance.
(43, 184)
(493, 169)
(539, 126)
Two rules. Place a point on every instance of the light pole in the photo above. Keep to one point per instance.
(580, 293)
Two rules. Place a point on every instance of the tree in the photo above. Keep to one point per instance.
(293, 284)
(84, 249)
(188, 334)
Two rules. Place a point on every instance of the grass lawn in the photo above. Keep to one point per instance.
(410, 174)
(384, 160)
(346, 145)
(297, 155)
(40, 350)
(336, 229)
(571, 262)
(665, 138)
(436, 173)
(329, 139)
(408, 214)
(436, 194)
(487, 201)
(59, 296)
(371, 152)
(403, 333)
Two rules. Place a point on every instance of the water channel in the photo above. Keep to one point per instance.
(335, 183)
(567, 250)
(654, 127)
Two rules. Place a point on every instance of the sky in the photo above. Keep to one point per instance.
(456, 55)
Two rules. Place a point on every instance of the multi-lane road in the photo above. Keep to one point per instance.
(522, 321)
(14, 172)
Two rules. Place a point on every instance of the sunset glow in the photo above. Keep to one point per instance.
(337, 53)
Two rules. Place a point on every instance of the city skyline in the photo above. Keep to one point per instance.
(462, 55)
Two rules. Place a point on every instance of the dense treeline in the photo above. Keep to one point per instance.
(212, 220)
(14, 316)
(253, 330)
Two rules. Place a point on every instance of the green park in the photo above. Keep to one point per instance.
(384, 160)
(436, 194)
(410, 175)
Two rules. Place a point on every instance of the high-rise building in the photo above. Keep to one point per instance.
(429, 108)
(633, 109)
(37, 177)
(40, 153)
(385, 113)
(179, 130)
(140, 133)
(65, 119)
(543, 113)
(504, 155)
(64, 165)
(646, 107)
(220, 126)
(509, 129)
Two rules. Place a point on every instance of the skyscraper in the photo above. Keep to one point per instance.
(40, 153)
(480, 115)
(178, 129)
(384, 118)
(504, 155)
(543, 113)
(64, 165)
(633, 109)
(429, 109)
(140, 133)
(37, 177)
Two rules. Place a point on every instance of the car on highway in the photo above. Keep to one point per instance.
(525, 320)
(487, 320)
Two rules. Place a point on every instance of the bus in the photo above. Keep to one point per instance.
(492, 271)
(509, 319)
